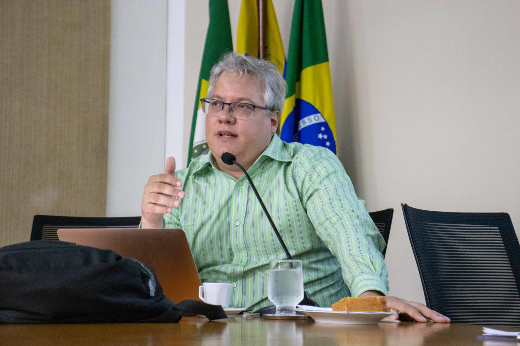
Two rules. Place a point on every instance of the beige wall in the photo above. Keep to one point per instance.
(54, 74)
(427, 105)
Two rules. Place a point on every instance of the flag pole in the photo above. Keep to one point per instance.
(261, 21)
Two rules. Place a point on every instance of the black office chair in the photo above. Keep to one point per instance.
(383, 221)
(45, 226)
(469, 264)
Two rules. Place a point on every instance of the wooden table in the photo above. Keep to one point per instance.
(241, 331)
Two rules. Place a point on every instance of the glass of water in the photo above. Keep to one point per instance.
(285, 287)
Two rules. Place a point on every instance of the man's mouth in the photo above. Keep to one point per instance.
(225, 134)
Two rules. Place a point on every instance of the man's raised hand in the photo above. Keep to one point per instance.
(161, 194)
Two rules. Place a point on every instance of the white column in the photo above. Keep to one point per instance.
(175, 83)
(137, 101)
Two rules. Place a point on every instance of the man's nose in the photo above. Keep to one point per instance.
(226, 115)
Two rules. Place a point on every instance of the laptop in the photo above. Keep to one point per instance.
(166, 250)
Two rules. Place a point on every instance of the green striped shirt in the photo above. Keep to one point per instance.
(312, 202)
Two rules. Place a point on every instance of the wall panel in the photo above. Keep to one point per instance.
(54, 78)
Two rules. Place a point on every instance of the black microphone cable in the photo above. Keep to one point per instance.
(230, 159)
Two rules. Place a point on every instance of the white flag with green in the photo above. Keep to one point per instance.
(218, 42)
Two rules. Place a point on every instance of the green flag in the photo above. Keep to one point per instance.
(218, 42)
(308, 114)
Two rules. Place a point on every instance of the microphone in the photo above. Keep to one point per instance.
(230, 159)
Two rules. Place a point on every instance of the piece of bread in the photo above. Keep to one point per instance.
(361, 304)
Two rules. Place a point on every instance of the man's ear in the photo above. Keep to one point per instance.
(275, 122)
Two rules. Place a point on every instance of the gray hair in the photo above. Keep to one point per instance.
(264, 73)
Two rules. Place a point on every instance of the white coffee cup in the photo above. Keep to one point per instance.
(216, 293)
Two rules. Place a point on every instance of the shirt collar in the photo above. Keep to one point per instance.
(276, 150)
(201, 163)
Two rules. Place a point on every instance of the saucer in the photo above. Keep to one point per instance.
(233, 311)
(230, 312)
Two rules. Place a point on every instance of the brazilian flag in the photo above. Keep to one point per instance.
(308, 115)
(248, 33)
(218, 42)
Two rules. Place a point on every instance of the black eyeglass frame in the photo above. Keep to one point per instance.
(208, 100)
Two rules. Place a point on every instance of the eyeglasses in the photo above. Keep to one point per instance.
(239, 110)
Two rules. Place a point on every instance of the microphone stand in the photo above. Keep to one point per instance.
(265, 210)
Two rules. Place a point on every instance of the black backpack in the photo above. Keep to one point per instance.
(59, 282)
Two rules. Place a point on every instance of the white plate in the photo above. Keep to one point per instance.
(343, 317)
(233, 311)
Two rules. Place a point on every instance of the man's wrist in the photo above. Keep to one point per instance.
(367, 294)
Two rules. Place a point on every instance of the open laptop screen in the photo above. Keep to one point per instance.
(166, 250)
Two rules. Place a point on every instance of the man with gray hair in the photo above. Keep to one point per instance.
(306, 189)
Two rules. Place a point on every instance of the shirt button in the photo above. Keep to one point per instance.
(241, 183)
(237, 223)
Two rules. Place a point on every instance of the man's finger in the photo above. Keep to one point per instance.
(170, 166)
(404, 307)
(430, 314)
(414, 310)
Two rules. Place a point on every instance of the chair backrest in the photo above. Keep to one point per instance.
(469, 264)
(383, 221)
(45, 226)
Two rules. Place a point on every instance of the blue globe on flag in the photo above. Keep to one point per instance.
(309, 127)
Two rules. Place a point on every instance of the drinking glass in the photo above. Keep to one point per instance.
(285, 287)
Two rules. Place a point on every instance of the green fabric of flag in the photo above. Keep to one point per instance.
(308, 114)
(218, 42)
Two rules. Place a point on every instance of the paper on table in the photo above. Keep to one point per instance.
(311, 308)
(490, 331)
